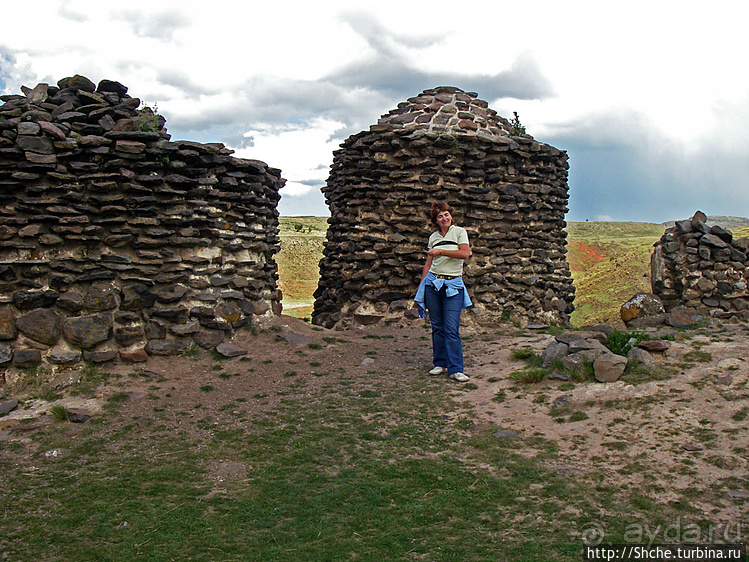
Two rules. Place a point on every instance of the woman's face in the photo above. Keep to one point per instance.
(444, 220)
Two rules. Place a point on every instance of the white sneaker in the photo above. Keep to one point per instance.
(460, 377)
(438, 371)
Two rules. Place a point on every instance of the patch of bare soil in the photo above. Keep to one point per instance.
(684, 433)
(668, 437)
(287, 359)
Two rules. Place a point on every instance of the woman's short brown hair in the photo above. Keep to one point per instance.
(440, 207)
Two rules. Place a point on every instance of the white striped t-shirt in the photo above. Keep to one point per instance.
(443, 265)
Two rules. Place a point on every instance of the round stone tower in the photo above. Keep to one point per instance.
(508, 190)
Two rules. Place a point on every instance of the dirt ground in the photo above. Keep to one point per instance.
(687, 430)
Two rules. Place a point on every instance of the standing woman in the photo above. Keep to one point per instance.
(443, 292)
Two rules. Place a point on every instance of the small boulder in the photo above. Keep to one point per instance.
(638, 356)
(129, 334)
(133, 355)
(576, 361)
(23, 358)
(86, 332)
(101, 356)
(698, 218)
(587, 344)
(569, 337)
(654, 345)
(682, 317)
(648, 321)
(208, 339)
(230, 350)
(605, 328)
(77, 82)
(165, 347)
(75, 416)
(63, 356)
(191, 327)
(554, 351)
(101, 296)
(72, 301)
(7, 406)
(609, 367)
(368, 319)
(41, 325)
(29, 300)
(641, 305)
(8, 329)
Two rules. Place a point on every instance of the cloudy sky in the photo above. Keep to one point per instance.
(649, 98)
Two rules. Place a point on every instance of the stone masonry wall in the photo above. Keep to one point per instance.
(115, 240)
(701, 267)
(509, 191)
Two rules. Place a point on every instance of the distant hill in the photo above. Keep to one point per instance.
(609, 262)
(298, 261)
(729, 223)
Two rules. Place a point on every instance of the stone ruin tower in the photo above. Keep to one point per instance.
(701, 267)
(509, 191)
(115, 240)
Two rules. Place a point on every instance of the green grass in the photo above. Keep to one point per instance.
(59, 413)
(529, 376)
(192, 351)
(698, 356)
(618, 341)
(365, 472)
(522, 354)
(610, 263)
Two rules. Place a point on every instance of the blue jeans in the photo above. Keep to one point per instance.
(444, 315)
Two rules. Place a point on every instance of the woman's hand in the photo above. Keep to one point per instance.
(462, 253)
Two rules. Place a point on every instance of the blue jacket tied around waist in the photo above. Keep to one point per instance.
(453, 287)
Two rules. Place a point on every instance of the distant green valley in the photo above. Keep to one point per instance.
(609, 261)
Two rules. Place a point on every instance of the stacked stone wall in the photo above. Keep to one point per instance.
(702, 267)
(113, 239)
(509, 192)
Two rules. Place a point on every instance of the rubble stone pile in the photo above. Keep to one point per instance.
(114, 239)
(572, 351)
(509, 192)
(701, 267)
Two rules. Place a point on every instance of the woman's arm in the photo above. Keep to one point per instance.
(427, 265)
(462, 253)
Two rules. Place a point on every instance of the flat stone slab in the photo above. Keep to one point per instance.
(230, 350)
(78, 416)
(296, 339)
(7, 406)
(654, 345)
(569, 337)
